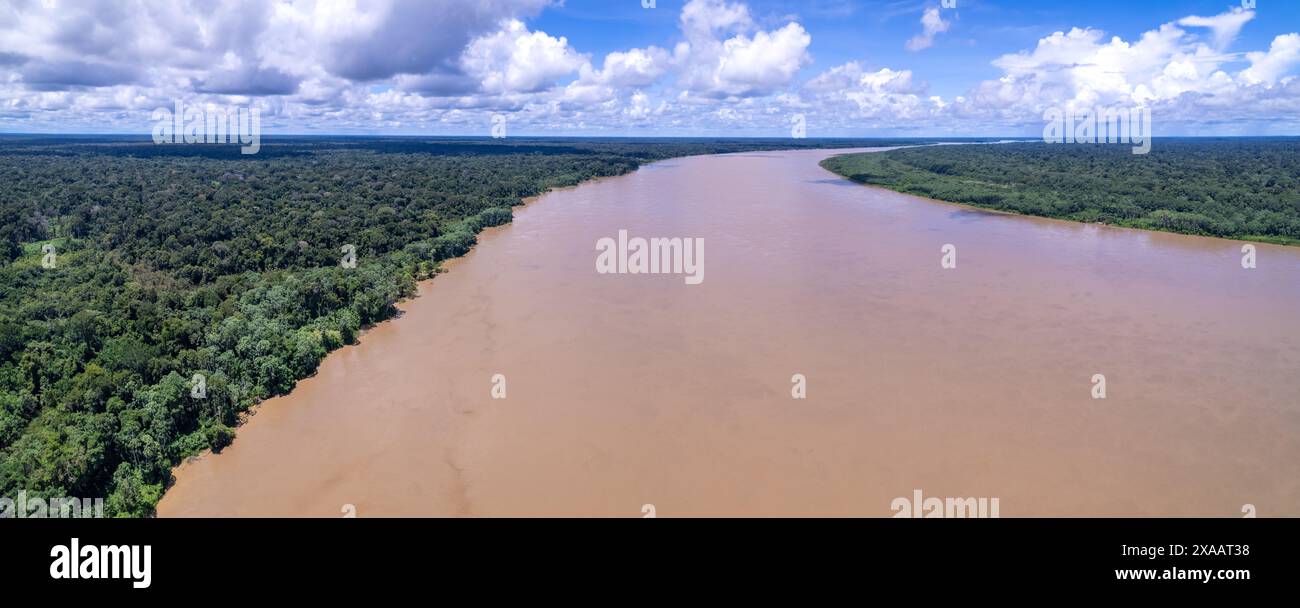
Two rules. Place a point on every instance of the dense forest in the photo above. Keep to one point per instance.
(150, 294)
(1232, 188)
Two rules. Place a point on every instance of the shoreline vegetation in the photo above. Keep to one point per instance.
(1243, 189)
(173, 262)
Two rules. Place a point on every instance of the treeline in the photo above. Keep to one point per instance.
(126, 269)
(1233, 188)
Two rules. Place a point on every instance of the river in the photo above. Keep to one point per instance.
(627, 390)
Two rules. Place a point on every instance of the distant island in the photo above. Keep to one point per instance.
(1246, 188)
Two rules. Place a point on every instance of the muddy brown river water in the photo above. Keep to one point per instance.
(624, 390)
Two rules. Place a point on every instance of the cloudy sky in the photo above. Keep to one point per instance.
(678, 68)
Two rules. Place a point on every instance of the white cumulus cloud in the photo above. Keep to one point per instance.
(743, 64)
(932, 24)
(515, 60)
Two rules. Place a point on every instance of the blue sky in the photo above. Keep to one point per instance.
(612, 67)
(875, 31)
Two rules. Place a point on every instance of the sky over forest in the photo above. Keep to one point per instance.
(676, 68)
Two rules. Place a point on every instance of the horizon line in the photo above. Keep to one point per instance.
(533, 136)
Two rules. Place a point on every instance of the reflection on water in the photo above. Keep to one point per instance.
(625, 390)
